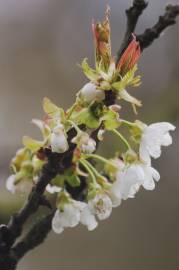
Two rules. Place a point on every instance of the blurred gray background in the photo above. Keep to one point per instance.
(41, 41)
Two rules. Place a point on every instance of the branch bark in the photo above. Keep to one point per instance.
(150, 34)
(132, 14)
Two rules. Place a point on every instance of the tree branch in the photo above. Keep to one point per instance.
(57, 163)
(34, 237)
(133, 14)
(150, 34)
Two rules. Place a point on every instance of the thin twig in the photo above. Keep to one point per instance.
(133, 14)
(150, 34)
(34, 237)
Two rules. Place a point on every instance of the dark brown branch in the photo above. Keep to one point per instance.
(35, 237)
(150, 34)
(133, 14)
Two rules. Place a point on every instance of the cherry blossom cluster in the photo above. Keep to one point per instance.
(119, 177)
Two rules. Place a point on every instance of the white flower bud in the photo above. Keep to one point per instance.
(58, 140)
(90, 93)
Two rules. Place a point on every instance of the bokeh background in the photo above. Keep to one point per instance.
(41, 41)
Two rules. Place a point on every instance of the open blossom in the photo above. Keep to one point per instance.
(130, 178)
(73, 213)
(69, 217)
(90, 93)
(86, 144)
(101, 206)
(153, 137)
(58, 140)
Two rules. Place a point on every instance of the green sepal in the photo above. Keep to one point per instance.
(85, 116)
(52, 110)
(32, 144)
(111, 120)
(72, 179)
(58, 180)
(90, 73)
(127, 80)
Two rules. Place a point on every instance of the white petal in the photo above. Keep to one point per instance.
(144, 154)
(163, 126)
(167, 140)
(89, 93)
(10, 183)
(59, 142)
(53, 189)
(56, 223)
(88, 219)
(89, 146)
(126, 96)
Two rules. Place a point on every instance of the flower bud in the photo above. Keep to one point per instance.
(89, 93)
(58, 140)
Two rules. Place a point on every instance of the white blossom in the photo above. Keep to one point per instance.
(90, 93)
(101, 206)
(153, 137)
(84, 142)
(130, 178)
(58, 140)
(69, 217)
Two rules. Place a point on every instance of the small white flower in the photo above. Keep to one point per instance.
(153, 137)
(88, 219)
(69, 217)
(85, 143)
(53, 189)
(88, 146)
(58, 140)
(90, 93)
(101, 206)
(129, 179)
